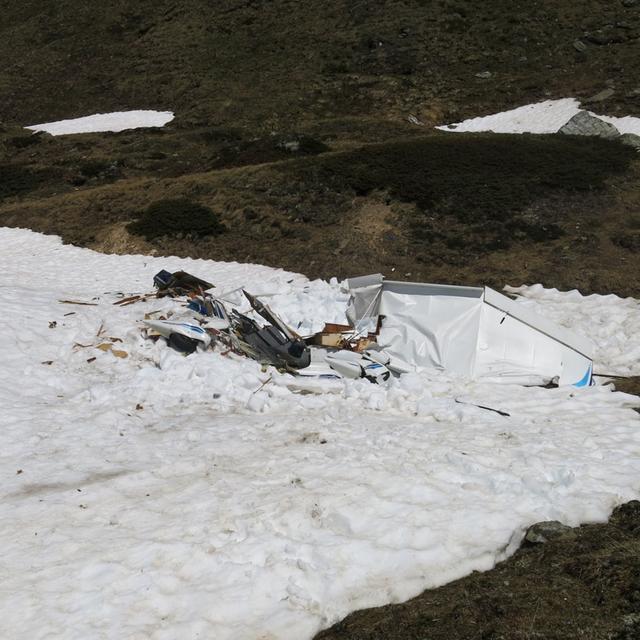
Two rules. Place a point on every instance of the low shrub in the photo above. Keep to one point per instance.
(629, 241)
(18, 180)
(26, 140)
(173, 217)
(265, 150)
(471, 191)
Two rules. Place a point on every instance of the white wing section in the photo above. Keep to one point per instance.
(471, 331)
(430, 326)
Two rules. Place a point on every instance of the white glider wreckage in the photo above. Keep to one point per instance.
(394, 327)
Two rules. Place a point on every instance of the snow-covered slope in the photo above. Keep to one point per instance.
(116, 121)
(161, 496)
(542, 117)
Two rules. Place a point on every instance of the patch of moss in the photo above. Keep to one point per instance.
(176, 217)
(629, 241)
(263, 150)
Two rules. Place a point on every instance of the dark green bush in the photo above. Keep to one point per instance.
(18, 179)
(629, 241)
(219, 134)
(97, 168)
(480, 176)
(264, 150)
(471, 191)
(176, 217)
(23, 141)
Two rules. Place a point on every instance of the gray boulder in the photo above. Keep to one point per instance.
(584, 124)
(632, 139)
(605, 94)
(542, 532)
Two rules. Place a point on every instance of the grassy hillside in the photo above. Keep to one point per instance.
(273, 65)
(292, 126)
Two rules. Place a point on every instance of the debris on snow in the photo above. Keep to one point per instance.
(471, 331)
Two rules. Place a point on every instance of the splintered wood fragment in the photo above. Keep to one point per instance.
(100, 329)
(107, 346)
(126, 301)
(79, 345)
(137, 298)
(71, 313)
(262, 386)
(332, 327)
(84, 304)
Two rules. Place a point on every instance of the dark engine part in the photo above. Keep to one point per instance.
(270, 346)
(181, 343)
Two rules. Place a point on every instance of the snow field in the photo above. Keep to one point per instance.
(162, 496)
(542, 117)
(115, 121)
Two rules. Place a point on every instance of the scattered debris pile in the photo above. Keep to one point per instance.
(395, 327)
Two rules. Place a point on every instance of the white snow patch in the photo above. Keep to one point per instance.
(161, 496)
(542, 117)
(116, 121)
(628, 124)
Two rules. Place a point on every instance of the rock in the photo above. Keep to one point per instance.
(584, 124)
(631, 139)
(580, 46)
(605, 36)
(630, 3)
(627, 516)
(601, 95)
(484, 75)
(542, 532)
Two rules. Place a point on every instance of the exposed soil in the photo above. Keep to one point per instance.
(292, 126)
